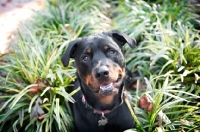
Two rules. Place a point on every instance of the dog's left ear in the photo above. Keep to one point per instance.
(122, 38)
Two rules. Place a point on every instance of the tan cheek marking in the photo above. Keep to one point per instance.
(122, 71)
(91, 82)
(115, 72)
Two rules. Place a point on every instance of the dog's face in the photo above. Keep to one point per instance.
(100, 64)
(99, 60)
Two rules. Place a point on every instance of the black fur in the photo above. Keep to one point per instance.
(100, 64)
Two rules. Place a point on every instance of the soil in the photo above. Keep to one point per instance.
(12, 14)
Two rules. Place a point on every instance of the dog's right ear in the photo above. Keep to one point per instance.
(122, 38)
(70, 52)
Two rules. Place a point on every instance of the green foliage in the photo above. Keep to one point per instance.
(35, 97)
(34, 82)
(73, 19)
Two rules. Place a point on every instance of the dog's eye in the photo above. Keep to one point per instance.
(85, 58)
(111, 51)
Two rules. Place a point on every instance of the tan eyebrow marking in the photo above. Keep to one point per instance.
(88, 51)
(105, 47)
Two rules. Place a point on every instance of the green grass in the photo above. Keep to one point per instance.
(33, 80)
(35, 74)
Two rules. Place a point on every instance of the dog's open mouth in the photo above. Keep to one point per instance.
(106, 89)
(109, 88)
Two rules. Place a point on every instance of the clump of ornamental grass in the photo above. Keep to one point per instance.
(72, 19)
(34, 82)
(34, 96)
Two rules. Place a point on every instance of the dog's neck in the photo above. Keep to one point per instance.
(101, 102)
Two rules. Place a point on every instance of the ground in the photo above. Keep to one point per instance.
(12, 14)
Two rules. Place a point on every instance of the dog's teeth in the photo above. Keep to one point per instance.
(108, 86)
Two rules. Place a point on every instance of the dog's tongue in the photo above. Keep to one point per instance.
(106, 86)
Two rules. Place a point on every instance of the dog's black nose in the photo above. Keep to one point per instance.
(102, 72)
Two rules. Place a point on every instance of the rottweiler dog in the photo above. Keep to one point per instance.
(100, 64)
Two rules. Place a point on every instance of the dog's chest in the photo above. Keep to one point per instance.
(117, 120)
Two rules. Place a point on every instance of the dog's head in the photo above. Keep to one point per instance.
(99, 60)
